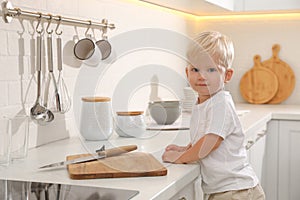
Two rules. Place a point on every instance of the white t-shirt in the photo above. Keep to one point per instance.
(227, 167)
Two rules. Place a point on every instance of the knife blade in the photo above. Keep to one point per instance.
(95, 156)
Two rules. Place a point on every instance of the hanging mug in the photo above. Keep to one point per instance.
(87, 51)
(103, 44)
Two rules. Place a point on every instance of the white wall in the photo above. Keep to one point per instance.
(17, 60)
(256, 35)
(129, 59)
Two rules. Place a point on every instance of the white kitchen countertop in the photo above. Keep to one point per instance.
(161, 187)
(259, 115)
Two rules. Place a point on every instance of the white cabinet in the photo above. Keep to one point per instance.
(281, 176)
(289, 160)
(256, 145)
(192, 191)
(257, 5)
(256, 155)
(268, 5)
(269, 174)
(195, 7)
(219, 7)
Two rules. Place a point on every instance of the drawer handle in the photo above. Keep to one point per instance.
(262, 133)
(182, 198)
(259, 135)
(249, 144)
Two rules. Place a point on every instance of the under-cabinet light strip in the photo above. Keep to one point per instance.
(239, 15)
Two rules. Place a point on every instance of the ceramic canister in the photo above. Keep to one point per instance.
(96, 121)
(130, 124)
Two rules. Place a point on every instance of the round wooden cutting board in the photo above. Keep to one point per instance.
(284, 73)
(259, 84)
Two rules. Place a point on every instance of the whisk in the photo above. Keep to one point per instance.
(61, 85)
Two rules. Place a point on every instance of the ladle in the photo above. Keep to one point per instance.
(39, 113)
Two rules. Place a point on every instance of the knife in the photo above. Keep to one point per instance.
(95, 156)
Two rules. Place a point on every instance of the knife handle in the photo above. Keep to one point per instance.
(119, 150)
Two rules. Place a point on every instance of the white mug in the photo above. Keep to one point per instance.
(86, 50)
(96, 122)
(130, 124)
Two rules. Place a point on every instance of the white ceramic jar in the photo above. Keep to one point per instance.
(130, 124)
(96, 121)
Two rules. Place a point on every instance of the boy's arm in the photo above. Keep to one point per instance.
(174, 147)
(199, 150)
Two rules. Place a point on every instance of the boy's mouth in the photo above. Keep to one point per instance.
(201, 84)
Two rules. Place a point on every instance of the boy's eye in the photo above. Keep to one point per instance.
(194, 69)
(211, 69)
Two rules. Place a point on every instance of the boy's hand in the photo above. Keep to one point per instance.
(171, 156)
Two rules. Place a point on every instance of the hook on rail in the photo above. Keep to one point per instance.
(58, 24)
(39, 24)
(104, 29)
(48, 25)
(88, 28)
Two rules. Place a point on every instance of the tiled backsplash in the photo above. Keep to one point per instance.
(17, 57)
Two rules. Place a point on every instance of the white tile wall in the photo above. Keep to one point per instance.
(251, 36)
(4, 93)
(3, 43)
(18, 54)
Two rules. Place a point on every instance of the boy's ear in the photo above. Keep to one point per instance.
(186, 72)
(228, 75)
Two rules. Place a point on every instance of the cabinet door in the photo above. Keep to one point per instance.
(289, 160)
(256, 156)
(269, 174)
(192, 191)
(186, 193)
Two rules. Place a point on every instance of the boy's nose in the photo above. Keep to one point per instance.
(201, 76)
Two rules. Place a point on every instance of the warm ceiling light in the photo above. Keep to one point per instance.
(252, 16)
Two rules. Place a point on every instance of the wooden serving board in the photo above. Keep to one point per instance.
(284, 73)
(259, 84)
(133, 164)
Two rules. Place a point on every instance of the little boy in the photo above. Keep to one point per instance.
(217, 138)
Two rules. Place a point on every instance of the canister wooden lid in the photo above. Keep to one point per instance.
(95, 99)
(130, 113)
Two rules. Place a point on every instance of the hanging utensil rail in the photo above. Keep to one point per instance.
(9, 12)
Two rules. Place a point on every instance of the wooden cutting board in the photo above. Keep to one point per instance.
(259, 84)
(284, 73)
(133, 164)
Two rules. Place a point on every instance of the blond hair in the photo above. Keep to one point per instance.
(218, 46)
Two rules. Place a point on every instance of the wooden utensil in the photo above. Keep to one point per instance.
(133, 164)
(284, 73)
(258, 85)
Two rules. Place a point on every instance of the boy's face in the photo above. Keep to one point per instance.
(207, 78)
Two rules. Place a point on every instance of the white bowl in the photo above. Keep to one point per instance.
(165, 112)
